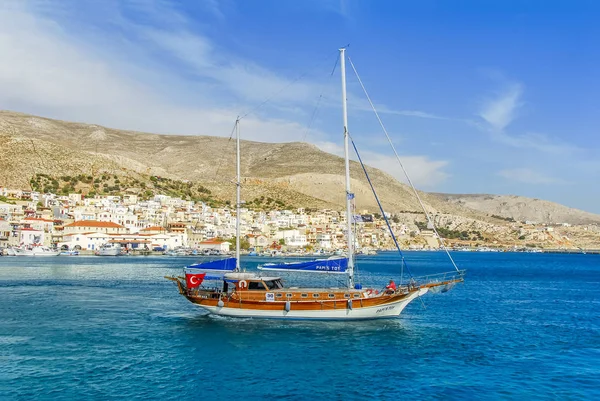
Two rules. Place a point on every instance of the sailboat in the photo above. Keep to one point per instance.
(245, 294)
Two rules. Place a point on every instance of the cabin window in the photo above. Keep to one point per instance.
(346, 295)
(273, 285)
(331, 295)
(316, 295)
(356, 295)
(289, 295)
(304, 295)
(278, 295)
(256, 285)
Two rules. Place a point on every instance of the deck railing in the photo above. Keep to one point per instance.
(438, 278)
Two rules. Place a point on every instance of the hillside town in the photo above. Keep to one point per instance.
(170, 224)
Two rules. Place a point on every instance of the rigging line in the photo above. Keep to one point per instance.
(267, 100)
(314, 113)
(427, 215)
(382, 211)
(226, 143)
(317, 106)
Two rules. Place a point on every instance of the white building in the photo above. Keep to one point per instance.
(292, 238)
(324, 241)
(214, 244)
(30, 236)
(84, 241)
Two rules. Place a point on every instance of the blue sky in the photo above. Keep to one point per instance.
(494, 97)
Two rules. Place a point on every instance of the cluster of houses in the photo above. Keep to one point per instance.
(75, 222)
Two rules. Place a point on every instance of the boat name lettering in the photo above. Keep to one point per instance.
(270, 296)
(385, 308)
(328, 268)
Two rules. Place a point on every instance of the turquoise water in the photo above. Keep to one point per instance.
(523, 326)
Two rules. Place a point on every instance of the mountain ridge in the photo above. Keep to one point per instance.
(292, 170)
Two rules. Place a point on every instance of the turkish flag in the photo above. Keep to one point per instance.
(194, 280)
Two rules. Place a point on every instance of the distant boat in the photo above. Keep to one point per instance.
(35, 251)
(241, 294)
(109, 250)
(69, 253)
(10, 252)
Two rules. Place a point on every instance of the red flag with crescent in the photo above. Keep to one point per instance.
(194, 280)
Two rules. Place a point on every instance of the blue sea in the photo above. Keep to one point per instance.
(523, 326)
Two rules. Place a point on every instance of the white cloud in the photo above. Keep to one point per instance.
(424, 172)
(501, 111)
(331, 147)
(528, 176)
(539, 142)
(52, 71)
(47, 70)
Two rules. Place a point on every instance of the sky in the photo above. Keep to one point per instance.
(498, 97)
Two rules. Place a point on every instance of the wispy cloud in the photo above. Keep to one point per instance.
(500, 111)
(539, 142)
(407, 113)
(53, 71)
(424, 172)
(344, 8)
(529, 176)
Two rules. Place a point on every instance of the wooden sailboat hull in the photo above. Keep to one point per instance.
(372, 308)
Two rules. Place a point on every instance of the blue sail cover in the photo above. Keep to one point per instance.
(223, 265)
(337, 265)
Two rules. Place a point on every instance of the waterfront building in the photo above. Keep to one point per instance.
(214, 245)
(95, 226)
(258, 241)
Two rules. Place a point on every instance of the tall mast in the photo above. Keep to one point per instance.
(349, 194)
(237, 199)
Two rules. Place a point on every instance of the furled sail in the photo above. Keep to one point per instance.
(223, 265)
(332, 265)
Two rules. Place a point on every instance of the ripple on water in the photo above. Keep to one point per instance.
(522, 327)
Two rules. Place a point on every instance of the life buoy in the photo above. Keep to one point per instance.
(243, 284)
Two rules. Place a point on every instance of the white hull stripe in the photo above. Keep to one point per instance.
(389, 310)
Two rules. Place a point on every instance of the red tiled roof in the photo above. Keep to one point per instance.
(154, 228)
(212, 241)
(129, 241)
(38, 219)
(94, 223)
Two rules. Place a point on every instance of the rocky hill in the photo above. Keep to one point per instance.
(521, 209)
(296, 174)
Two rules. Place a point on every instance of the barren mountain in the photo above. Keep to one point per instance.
(298, 173)
(521, 209)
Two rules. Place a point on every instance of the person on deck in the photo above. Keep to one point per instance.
(391, 287)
